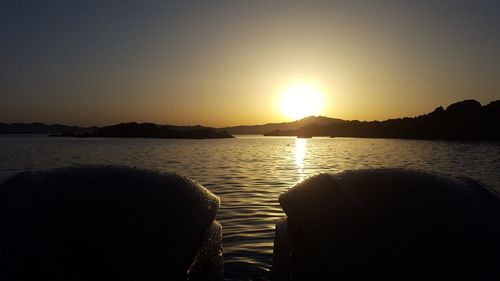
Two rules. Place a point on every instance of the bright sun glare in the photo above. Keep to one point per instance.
(299, 101)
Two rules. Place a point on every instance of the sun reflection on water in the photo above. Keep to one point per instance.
(300, 154)
(250, 173)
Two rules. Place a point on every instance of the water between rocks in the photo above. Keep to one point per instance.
(250, 172)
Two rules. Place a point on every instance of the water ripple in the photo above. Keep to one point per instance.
(249, 173)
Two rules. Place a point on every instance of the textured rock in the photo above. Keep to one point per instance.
(391, 224)
(111, 223)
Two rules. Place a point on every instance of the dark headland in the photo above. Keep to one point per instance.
(465, 120)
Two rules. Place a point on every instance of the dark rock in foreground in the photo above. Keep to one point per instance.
(108, 223)
(388, 224)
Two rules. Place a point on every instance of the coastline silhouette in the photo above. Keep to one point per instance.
(465, 120)
(150, 130)
(122, 130)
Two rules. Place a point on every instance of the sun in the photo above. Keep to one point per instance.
(299, 101)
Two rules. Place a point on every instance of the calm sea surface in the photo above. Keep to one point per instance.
(250, 172)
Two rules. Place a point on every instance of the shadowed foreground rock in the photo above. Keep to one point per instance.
(388, 224)
(108, 223)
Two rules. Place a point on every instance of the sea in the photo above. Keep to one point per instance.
(249, 173)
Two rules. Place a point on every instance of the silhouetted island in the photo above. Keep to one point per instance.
(150, 130)
(122, 130)
(465, 120)
(269, 127)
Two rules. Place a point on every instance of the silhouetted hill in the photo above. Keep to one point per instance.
(265, 128)
(40, 128)
(150, 130)
(465, 120)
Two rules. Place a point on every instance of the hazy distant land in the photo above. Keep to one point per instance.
(465, 120)
(123, 130)
(40, 128)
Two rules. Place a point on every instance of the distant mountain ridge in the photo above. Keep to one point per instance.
(266, 128)
(40, 128)
(465, 120)
(122, 130)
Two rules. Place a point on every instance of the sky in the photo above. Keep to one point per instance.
(222, 63)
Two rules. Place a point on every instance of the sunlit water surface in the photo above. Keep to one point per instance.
(250, 172)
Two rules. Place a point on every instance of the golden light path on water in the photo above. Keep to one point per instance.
(249, 173)
(300, 154)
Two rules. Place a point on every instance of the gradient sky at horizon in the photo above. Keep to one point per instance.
(220, 63)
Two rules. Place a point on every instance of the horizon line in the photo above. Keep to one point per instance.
(239, 125)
